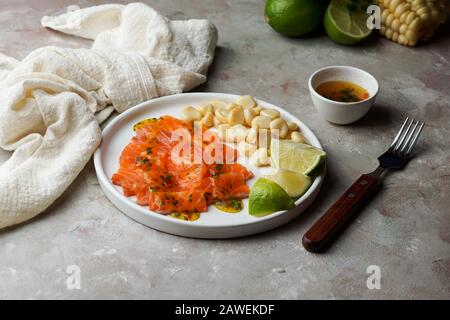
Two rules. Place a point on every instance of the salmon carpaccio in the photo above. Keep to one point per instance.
(166, 185)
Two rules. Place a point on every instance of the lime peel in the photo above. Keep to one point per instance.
(267, 197)
(294, 18)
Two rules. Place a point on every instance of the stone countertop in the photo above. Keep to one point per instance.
(405, 230)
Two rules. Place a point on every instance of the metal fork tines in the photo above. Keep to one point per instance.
(403, 145)
(406, 139)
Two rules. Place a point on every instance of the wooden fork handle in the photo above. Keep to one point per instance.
(327, 226)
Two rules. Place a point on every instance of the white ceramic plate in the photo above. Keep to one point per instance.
(214, 223)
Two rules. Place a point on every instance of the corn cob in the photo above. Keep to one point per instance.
(408, 21)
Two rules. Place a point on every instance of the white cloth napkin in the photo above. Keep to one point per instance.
(51, 102)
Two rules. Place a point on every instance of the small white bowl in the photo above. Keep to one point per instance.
(343, 112)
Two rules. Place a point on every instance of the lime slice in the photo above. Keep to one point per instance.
(267, 197)
(295, 156)
(294, 183)
(344, 25)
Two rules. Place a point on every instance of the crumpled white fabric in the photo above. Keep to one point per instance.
(51, 102)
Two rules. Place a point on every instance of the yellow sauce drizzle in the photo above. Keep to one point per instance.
(142, 123)
(186, 216)
(230, 206)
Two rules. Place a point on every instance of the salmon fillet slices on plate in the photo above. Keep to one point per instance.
(149, 171)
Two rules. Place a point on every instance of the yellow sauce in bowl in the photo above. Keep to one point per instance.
(342, 91)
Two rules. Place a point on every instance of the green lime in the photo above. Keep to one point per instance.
(295, 156)
(345, 24)
(294, 18)
(294, 183)
(267, 197)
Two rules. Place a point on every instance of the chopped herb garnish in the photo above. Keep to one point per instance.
(166, 179)
(236, 204)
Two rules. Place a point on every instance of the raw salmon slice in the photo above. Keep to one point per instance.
(182, 201)
(147, 170)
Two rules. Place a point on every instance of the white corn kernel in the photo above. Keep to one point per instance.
(236, 116)
(279, 128)
(247, 149)
(218, 104)
(190, 114)
(249, 115)
(257, 110)
(205, 108)
(252, 136)
(271, 113)
(261, 122)
(246, 102)
(208, 119)
(298, 137)
(222, 115)
(264, 138)
(260, 158)
(231, 106)
(292, 125)
(216, 122)
(236, 133)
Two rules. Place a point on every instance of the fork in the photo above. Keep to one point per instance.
(396, 157)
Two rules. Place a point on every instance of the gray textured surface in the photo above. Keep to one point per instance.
(405, 230)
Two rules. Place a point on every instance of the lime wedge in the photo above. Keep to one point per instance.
(345, 25)
(294, 183)
(295, 156)
(267, 197)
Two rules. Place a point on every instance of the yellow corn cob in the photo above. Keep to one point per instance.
(408, 21)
